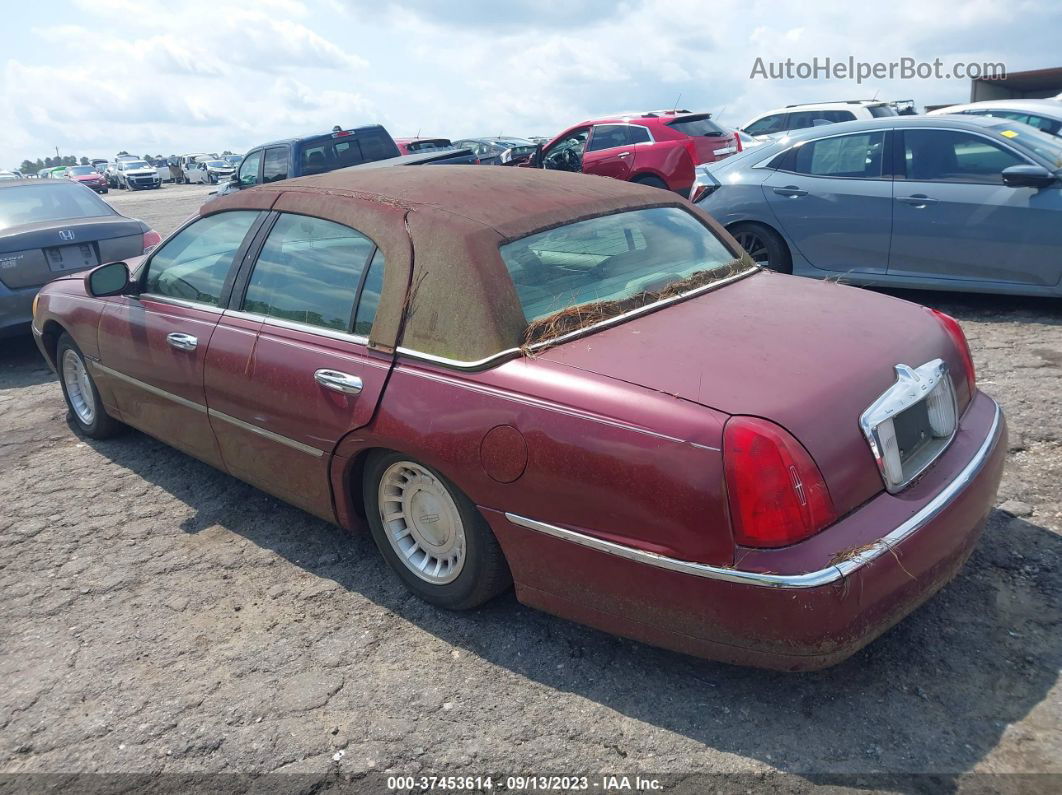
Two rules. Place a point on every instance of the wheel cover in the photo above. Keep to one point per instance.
(755, 245)
(422, 522)
(78, 387)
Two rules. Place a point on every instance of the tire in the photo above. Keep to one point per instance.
(470, 567)
(212, 179)
(79, 390)
(764, 245)
(650, 181)
(105, 190)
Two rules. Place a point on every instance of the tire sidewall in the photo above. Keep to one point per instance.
(100, 422)
(452, 595)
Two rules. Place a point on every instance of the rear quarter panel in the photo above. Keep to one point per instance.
(612, 460)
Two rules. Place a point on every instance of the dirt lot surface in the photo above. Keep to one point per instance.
(159, 616)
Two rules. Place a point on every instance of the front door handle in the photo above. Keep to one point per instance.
(338, 382)
(917, 200)
(791, 190)
(184, 342)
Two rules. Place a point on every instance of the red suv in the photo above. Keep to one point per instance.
(658, 148)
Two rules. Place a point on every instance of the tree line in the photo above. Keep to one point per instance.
(33, 166)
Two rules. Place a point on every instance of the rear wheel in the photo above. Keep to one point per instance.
(764, 245)
(82, 397)
(431, 535)
(651, 181)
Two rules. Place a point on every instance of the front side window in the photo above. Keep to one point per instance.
(767, 125)
(953, 156)
(856, 155)
(567, 153)
(276, 164)
(249, 169)
(309, 272)
(598, 266)
(607, 136)
(192, 265)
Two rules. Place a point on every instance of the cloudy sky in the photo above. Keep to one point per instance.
(93, 77)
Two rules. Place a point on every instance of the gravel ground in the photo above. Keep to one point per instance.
(159, 616)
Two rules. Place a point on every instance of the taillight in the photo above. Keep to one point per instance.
(737, 143)
(151, 239)
(775, 491)
(958, 338)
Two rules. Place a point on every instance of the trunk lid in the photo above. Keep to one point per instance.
(32, 254)
(808, 355)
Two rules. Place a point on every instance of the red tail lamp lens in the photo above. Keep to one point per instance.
(776, 493)
(151, 239)
(958, 338)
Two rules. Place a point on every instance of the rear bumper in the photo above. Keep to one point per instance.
(801, 621)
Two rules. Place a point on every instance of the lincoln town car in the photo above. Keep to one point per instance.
(573, 385)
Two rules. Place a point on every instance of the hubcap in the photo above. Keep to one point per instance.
(755, 246)
(422, 522)
(78, 387)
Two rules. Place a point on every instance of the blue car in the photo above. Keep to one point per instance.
(930, 202)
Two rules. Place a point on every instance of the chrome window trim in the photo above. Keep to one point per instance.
(612, 321)
(276, 437)
(165, 299)
(912, 386)
(191, 404)
(811, 579)
(269, 320)
(154, 390)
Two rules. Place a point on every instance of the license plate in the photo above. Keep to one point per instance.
(68, 258)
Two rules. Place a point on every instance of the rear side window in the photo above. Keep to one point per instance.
(613, 258)
(803, 119)
(309, 272)
(276, 164)
(607, 136)
(192, 265)
(856, 155)
(638, 134)
(328, 154)
(28, 204)
(695, 126)
(249, 168)
(767, 125)
(953, 156)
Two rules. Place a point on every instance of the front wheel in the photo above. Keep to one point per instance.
(764, 246)
(82, 397)
(431, 535)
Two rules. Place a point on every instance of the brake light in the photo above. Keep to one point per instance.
(775, 491)
(151, 239)
(737, 142)
(958, 338)
(342, 133)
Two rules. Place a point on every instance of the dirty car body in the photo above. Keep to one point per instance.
(581, 384)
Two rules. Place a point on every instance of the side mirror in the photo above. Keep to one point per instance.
(1028, 177)
(109, 279)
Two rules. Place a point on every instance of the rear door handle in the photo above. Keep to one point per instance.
(918, 200)
(624, 154)
(184, 342)
(338, 382)
(791, 190)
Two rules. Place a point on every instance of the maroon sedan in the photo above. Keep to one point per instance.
(577, 385)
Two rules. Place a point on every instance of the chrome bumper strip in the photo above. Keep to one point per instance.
(812, 579)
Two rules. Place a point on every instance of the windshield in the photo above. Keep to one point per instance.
(128, 164)
(80, 170)
(880, 111)
(219, 164)
(1029, 138)
(48, 201)
(575, 275)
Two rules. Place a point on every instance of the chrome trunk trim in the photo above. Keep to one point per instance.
(811, 579)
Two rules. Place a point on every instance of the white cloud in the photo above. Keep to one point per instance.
(219, 74)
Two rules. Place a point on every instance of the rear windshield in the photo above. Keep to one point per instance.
(879, 111)
(429, 146)
(696, 126)
(79, 171)
(576, 275)
(328, 154)
(49, 201)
